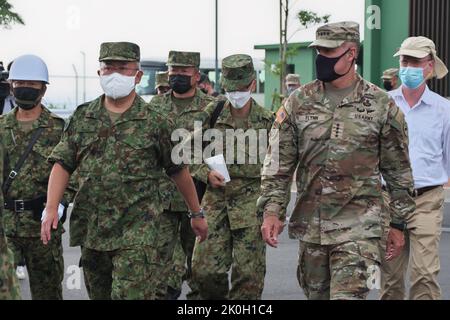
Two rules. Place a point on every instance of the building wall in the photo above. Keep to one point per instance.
(304, 66)
(381, 44)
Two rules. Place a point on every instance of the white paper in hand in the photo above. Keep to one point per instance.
(217, 163)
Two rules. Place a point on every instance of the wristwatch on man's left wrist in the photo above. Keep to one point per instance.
(398, 226)
(199, 214)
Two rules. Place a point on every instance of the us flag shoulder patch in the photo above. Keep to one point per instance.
(281, 115)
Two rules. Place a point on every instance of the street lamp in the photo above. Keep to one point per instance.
(84, 75)
(217, 47)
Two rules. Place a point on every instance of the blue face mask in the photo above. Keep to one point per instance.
(412, 77)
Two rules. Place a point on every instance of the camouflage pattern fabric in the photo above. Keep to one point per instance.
(237, 72)
(119, 51)
(333, 35)
(45, 265)
(32, 180)
(184, 59)
(340, 152)
(9, 287)
(338, 272)
(119, 166)
(125, 274)
(176, 210)
(234, 238)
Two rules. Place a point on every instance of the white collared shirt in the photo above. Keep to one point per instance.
(429, 137)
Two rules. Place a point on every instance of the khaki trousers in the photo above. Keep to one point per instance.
(421, 251)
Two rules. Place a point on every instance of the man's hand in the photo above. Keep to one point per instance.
(216, 180)
(200, 228)
(50, 220)
(271, 228)
(395, 244)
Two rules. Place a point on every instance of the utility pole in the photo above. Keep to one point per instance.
(76, 84)
(217, 86)
(84, 75)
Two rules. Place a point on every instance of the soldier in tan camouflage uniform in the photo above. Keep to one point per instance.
(25, 196)
(341, 132)
(184, 104)
(390, 79)
(119, 145)
(234, 241)
(9, 288)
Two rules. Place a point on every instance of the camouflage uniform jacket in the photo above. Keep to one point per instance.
(32, 180)
(340, 152)
(239, 196)
(118, 166)
(183, 119)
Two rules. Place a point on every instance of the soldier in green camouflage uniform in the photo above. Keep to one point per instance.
(9, 288)
(45, 264)
(119, 146)
(184, 104)
(341, 132)
(234, 241)
(162, 82)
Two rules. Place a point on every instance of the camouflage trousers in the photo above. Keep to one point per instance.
(9, 288)
(175, 246)
(242, 250)
(344, 271)
(124, 274)
(45, 265)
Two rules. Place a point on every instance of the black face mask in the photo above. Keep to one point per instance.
(26, 98)
(205, 91)
(325, 68)
(388, 85)
(180, 83)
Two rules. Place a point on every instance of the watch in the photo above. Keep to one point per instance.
(398, 226)
(200, 214)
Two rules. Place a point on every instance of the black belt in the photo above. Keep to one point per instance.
(20, 206)
(418, 192)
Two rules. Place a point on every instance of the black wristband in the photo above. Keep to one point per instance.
(398, 226)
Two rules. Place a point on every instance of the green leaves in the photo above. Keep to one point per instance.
(7, 16)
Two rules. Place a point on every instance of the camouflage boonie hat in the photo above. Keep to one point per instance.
(237, 72)
(162, 79)
(292, 79)
(389, 74)
(120, 51)
(184, 59)
(333, 35)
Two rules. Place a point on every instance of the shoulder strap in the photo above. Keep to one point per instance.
(13, 174)
(216, 113)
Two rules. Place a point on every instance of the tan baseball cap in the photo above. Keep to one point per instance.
(421, 47)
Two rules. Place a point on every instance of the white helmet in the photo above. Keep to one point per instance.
(29, 67)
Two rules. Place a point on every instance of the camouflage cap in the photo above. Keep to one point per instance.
(120, 51)
(389, 74)
(293, 79)
(184, 59)
(237, 72)
(333, 35)
(162, 79)
(421, 47)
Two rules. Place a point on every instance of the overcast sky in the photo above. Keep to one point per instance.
(57, 30)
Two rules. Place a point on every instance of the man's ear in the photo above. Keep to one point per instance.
(44, 89)
(98, 73)
(139, 76)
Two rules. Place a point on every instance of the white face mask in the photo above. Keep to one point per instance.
(117, 86)
(238, 99)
